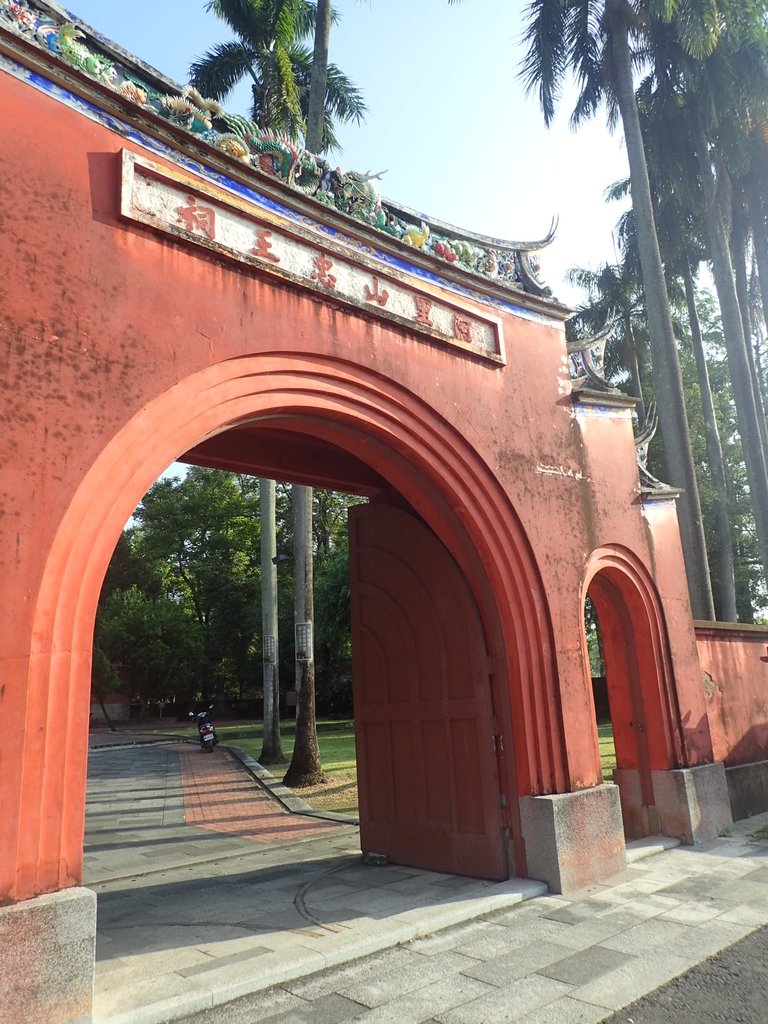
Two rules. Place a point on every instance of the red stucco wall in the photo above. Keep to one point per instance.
(734, 660)
(121, 350)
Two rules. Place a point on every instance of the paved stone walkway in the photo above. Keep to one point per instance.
(238, 932)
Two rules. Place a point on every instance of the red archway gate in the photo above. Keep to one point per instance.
(169, 299)
(195, 309)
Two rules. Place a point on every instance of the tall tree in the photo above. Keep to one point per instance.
(270, 51)
(718, 88)
(613, 298)
(271, 744)
(305, 768)
(682, 233)
(319, 79)
(592, 38)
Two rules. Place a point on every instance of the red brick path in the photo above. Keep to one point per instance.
(220, 796)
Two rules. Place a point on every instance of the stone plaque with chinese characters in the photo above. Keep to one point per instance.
(201, 213)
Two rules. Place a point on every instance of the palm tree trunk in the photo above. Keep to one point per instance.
(317, 85)
(271, 742)
(739, 246)
(760, 239)
(667, 377)
(736, 349)
(305, 768)
(724, 587)
(634, 371)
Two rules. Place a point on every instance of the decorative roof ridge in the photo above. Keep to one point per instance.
(52, 28)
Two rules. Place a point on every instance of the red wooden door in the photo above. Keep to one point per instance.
(427, 776)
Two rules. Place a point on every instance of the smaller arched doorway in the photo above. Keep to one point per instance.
(638, 678)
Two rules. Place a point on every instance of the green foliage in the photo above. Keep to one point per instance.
(594, 644)
(270, 50)
(333, 637)
(180, 609)
(607, 749)
(181, 603)
(750, 583)
(336, 740)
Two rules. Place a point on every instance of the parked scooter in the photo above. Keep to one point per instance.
(205, 729)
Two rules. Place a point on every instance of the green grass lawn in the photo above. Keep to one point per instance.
(336, 740)
(337, 754)
(607, 750)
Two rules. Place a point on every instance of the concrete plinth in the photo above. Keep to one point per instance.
(748, 789)
(639, 818)
(573, 839)
(690, 804)
(47, 956)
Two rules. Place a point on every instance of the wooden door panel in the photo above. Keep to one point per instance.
(429, 793)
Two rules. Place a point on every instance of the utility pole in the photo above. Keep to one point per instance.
(271, 743)
(305, 768)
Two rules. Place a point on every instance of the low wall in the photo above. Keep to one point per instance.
(734, 662)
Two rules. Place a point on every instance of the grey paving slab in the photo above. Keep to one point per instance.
(487, 940)
(636, 977)
(587, 965)
(645, 936)
(251, 1009)
(595, 930)
(395, 959)
(565, 1010)
(509, 1003)
(526, 959)
(575, 913)
(212, 930)
(375, 991)
(437, 997)
(331, 1009)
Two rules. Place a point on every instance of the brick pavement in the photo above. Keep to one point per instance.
(221, 797)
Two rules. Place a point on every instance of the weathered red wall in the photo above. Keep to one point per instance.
(121, 350)
(734, 660)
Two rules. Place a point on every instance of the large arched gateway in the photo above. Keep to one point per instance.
(173, 289)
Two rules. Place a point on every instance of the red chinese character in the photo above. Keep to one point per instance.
(423, 309)
(198, 218)
(320, 273)
(376, 296)
(462, 329)
(263, 245)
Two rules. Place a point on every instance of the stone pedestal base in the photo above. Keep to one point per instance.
(573, 839)
(639, 818)
(690, 804)
(47, 956)
(748, 789)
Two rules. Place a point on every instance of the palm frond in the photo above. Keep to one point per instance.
(248, 19)
(585, 40)
(218, 71)
(546, 59)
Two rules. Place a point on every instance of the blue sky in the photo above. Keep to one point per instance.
(448, 117)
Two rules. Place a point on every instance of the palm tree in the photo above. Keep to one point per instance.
(613, 298)
(678, 205)
(592, 38)
(318, 85)
(717, 92)
(269, 49)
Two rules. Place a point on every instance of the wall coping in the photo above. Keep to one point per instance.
(733, 629)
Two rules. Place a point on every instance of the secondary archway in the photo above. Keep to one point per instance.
(641, 697)
(395, 433)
